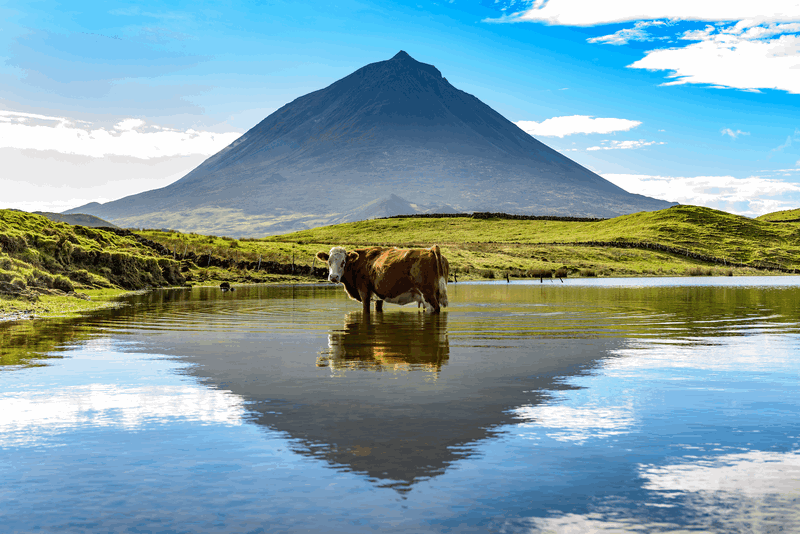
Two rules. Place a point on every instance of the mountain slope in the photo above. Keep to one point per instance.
(395, 128)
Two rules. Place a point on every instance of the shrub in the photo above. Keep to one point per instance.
(63, 283)
(561, 272)
(699, 271)
(541, 273)
(12, 243)
(588, 272)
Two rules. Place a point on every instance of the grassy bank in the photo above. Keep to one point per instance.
(680, 241)
(14, 308)
(53, 268)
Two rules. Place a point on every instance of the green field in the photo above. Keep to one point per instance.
(683, 240)
(43, 262)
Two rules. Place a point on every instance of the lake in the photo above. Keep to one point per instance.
(593, 405)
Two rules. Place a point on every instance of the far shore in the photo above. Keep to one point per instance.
(54, 305)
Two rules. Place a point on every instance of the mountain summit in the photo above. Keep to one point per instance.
(394, 134)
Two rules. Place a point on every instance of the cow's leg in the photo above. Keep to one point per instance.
(378, 305)
(432, 301)
(365, 295)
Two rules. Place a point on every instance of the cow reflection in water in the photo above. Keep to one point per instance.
(388, 342)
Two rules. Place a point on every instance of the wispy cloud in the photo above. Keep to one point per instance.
(576, 124)
(786, 144)
(129, 137)
(750, 46)
(625, 145)
(593, 13)
(752, 196)
(733, 133)
(626, 35)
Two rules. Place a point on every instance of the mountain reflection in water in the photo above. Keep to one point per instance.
(521, 408)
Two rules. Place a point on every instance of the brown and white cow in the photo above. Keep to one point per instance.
(398, 276)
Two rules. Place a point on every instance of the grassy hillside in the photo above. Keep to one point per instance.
(781, 216)
(682, 240)
(702, 233)
(41, 259)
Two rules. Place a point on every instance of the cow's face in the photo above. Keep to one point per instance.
(336, 260)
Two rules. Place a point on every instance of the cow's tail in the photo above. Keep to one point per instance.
(443, 271)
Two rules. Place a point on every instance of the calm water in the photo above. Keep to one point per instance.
(655, 405)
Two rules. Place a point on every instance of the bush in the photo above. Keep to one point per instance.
(561, 272)
(588, 272)
(12, 244)
(541, 273)
(699, 271)
(63, 283)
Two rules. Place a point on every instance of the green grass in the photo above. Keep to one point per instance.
(519, 245)
(59, 305)
(40, 257)
(781, 216)
(492, 248)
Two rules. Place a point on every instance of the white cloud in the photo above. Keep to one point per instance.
(731, 57)
(33, 180)
(575, 124)
(625, 145)
(129, 137)
(733, 133)
(752, 46)
(593, 13)
(751, 196)
(624, 36)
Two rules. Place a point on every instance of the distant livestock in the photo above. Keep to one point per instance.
(397, 276)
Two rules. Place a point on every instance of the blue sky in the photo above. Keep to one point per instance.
(695, 102)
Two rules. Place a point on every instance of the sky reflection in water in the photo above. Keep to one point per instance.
(524, 408)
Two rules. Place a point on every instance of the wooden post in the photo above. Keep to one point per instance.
(259, 263)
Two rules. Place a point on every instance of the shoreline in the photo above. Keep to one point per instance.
(16, 309)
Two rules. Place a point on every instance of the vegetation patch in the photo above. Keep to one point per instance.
(42, 258)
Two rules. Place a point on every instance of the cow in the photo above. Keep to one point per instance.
(397, 276)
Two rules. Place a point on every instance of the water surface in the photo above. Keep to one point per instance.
(656, 405)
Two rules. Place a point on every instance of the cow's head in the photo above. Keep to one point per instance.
(337, 259)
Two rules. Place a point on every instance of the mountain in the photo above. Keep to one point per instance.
(77, 219)
(392, 136)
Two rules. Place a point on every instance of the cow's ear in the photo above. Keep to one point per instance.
(322, 256)
(352, 256)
